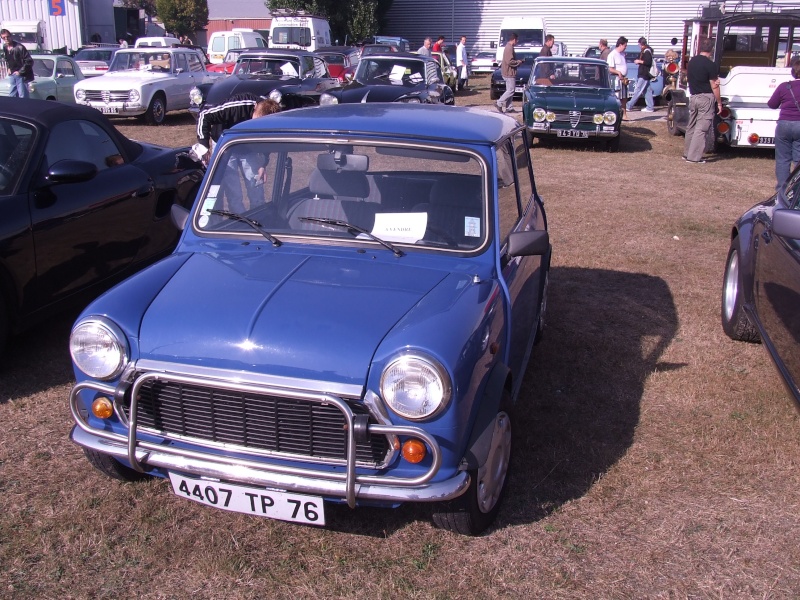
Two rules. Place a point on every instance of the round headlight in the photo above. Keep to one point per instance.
(31, 87)
(327, 100)
(414, 100)
(134, 96)
(550, 116)
(80, 94)
(597, 119)
(538, 114)
(276, 96)
(609, 118)
(415, 387)
(196, 96)
(98, 348)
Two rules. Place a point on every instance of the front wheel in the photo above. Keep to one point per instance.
(735, 322)
(157, 111)
(111, 467)
(472, 512)
(612, 145)
(672, 128)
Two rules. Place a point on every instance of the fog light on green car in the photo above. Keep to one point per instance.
(609, 118)
(597, 119)
(550, 117)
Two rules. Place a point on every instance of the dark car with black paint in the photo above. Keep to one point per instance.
(498, 84)
(82, 205)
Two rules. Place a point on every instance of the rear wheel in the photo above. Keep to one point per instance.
(472, 512)
(735, 322)
(157, 111)
(111, 467)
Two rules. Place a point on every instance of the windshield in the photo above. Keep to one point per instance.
(525, 37)
(279, 66)
(402, 195)
(157, 62)
(571, 74)
(43, 67)
(393, 71)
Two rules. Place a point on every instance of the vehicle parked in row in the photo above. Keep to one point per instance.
(761, 285)
(448, 68)
(413, 233)
(227, 65)
(156, 42)
(293, 78)
(403, 45)
(54, 78)
(750, 51)
(341, 60)
(632, 53)
(497, 86)
(370, 49)
(83, 207)
(222, 42)
(572, 99)
(483, 62)
(95, 61)
(298, 30)
(146, 82)
(394, 77)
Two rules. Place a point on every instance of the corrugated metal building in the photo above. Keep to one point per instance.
(578, 23)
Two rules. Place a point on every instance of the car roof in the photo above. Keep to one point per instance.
(573, 59)
(396, 55)
(276, 52)
(459, 124)
(338, 49)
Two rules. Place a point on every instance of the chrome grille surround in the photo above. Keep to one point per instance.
(107, 95)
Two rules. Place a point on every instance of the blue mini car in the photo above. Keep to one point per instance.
(347, 318)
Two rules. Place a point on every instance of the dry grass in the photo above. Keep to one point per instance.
(654, 457)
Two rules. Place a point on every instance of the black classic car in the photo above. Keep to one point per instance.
(394, 77)
(293, 78)
(82, 205)
(498, 85)
(761, 285)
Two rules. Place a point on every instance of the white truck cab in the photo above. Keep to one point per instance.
(750, 42)
(30, 33)
(530, 35)
(299, 30)
(221, 41)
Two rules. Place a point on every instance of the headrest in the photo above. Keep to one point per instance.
(346, 184)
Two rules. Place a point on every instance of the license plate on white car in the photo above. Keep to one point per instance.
(109, 110)
(285, 506)
(576, 133)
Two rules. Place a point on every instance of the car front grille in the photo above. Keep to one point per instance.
(107, 96)
(574, 117)
(256, 422)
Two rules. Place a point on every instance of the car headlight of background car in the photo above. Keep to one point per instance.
(80, 94)
(98, 348)
(415, 387)
(196, 96)
(327, 100)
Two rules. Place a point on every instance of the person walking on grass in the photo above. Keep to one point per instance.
(787, 132)
(618, 67)
(508, 68)
(703, 78)
(645, 62)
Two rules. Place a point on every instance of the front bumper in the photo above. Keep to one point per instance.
(122, 109)
(237, 465)
(600, 131)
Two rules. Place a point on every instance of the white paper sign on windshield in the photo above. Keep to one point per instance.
(400, 227)
(397, 73)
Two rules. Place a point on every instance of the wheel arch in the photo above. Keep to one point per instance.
(477, 450)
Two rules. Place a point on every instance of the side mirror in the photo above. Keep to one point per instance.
(786, 223)
(70, 171)
(179, 216)
(528, 243)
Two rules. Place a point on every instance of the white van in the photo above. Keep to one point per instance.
(530, 31)
(299, 31)
(156, 42)
(221, 41)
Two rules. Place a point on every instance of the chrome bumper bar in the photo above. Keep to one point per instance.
(348, 485)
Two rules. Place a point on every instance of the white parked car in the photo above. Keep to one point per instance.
(146, 81)
(483, 62)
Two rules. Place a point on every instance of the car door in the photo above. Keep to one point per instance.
(521, 274)
(88, 231)
(65, 80)
(777, 285)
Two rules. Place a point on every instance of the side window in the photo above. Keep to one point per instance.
(84, 139)
(194, 62)
(65, 68)
(507, 198)
(234, 42)
(180, 62)
(433, 72)
(320, 68)
(218, 44)
(522, 158)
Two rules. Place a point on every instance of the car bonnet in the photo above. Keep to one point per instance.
(286, 314)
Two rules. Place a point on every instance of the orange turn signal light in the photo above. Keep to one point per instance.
(723, 128)
(414, 450)
(102, 408)
(753, 138)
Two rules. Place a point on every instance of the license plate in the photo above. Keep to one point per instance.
(519, 89)
(109, 110)
(576, 133)
(260, 502)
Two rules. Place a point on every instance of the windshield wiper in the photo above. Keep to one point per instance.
(252, 222)
(350, 227)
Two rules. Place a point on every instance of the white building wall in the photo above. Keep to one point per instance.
(577, 23)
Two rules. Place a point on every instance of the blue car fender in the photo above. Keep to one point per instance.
(481, 437)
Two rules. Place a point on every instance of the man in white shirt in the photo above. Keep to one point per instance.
(618, 67)
(461, 62)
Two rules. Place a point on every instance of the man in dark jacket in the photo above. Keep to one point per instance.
(643, 78)
(20, 65)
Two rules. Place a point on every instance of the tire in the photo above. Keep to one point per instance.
(112, 468)
(612, 145)
(475, 510)
(157, 111)
(735, 322)
(672, 129)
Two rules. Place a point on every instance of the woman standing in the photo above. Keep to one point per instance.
(787, 133)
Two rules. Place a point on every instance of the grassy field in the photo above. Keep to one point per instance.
(655, 458)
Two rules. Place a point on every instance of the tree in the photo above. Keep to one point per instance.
(352, 21)
(148, 6)
(183, 17)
